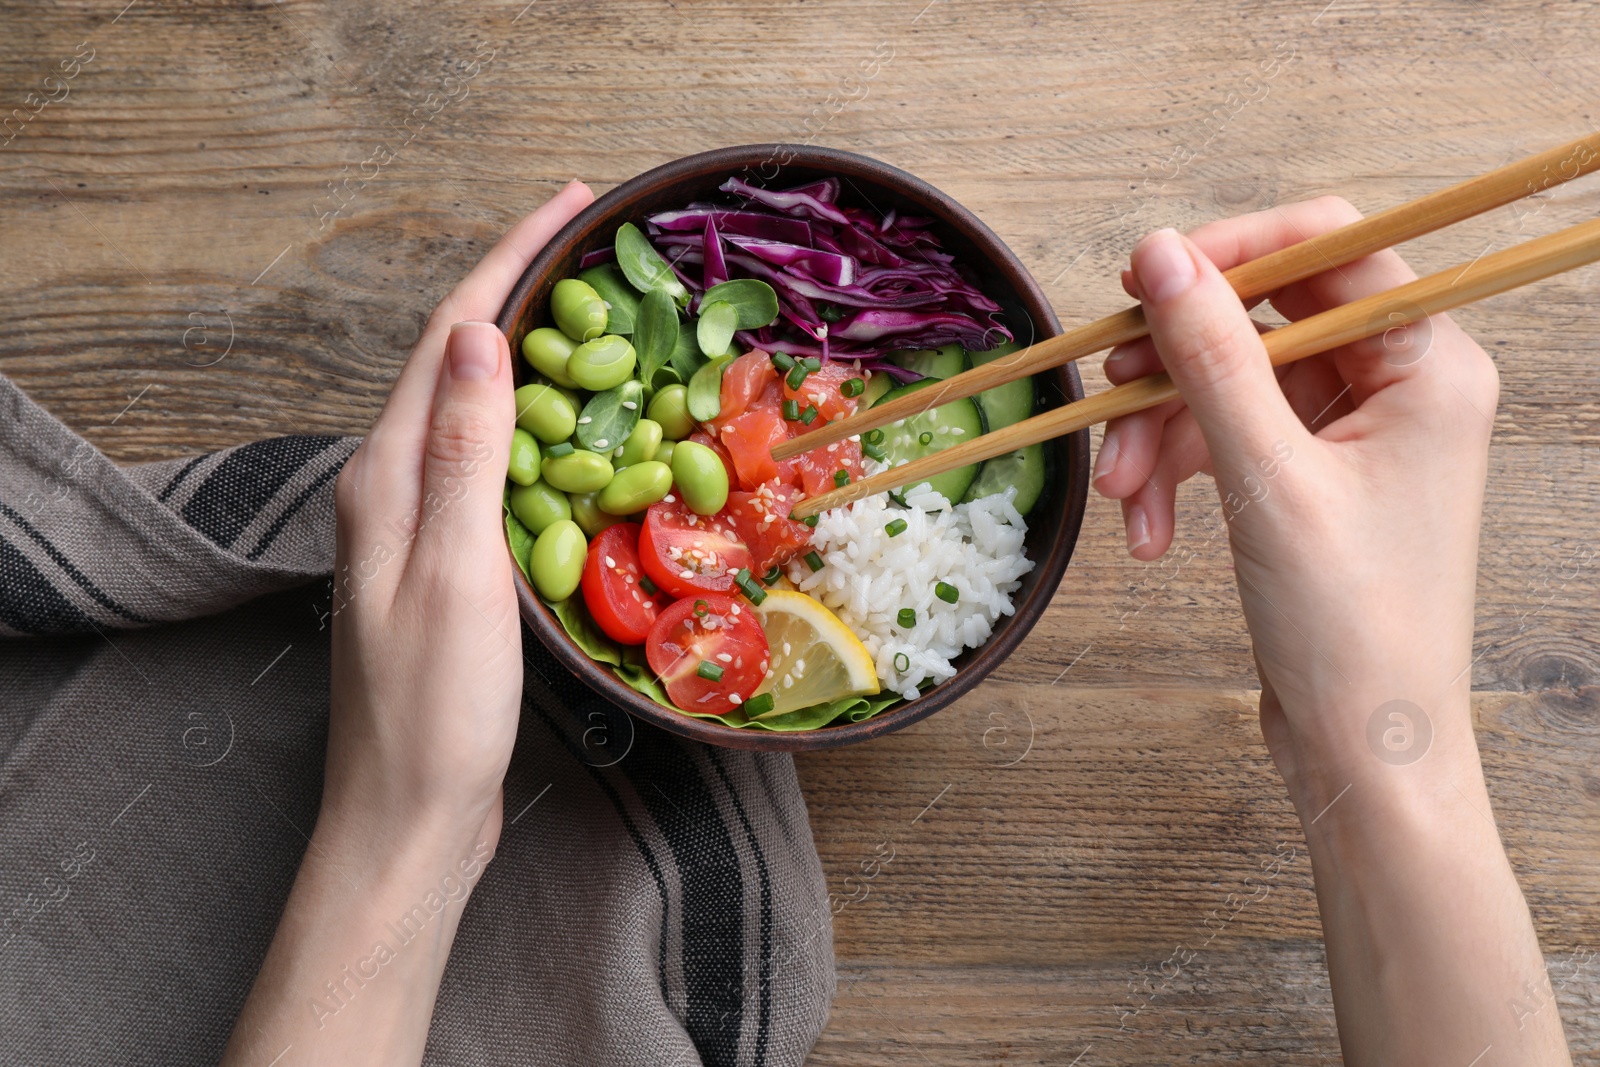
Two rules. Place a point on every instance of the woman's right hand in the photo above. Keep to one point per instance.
(1351, 486)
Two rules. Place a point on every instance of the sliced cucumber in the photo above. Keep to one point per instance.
(622, 302)
(1025, 469)
(946, 425)
(877, 385)
(946, 362)
(1002, 406)
(1008, 403)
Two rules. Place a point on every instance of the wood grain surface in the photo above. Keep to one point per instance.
(233, 217)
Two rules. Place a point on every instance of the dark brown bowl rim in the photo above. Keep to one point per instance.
(1026, 290)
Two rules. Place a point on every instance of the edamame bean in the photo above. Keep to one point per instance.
(587, 514)
(670, 407)
(579, 471)
(641, 445)
(545, 413)
(701, 477)
(601, 364)
(635, 488)
(547, 351)
(574, 397)
(664, 452)
(537, 505)
(524, 466)
(578, 309)
(556, 561)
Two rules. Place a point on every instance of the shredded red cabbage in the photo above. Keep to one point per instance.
(851, 284)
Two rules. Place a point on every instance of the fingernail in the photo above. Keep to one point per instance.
(1163, 266)
(1116, 355)
(1106, 461)
(473, 350)
(1138, 528)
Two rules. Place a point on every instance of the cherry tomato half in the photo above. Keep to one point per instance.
(611, 585)
(688, 554)
(709, 651)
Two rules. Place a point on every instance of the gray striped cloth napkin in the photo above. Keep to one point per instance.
(163, 714)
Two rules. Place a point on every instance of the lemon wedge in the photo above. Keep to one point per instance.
(814, 658)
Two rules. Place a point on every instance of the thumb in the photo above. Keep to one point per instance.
(467, 450)
(1210, 347)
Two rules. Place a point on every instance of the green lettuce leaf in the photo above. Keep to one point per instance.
(519, 536)
(575, 619)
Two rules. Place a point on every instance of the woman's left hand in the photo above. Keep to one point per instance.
(426, 688)
(427, 650)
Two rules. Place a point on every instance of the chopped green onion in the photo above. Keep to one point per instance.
(902, 662)
(782, 361)
(811, 363)
(791, 410)
(841, 478)
(747, 585)
(898, 498)
(555, 451)
(907, 618)
(759, 704)
(797, 376)
(709, 671)
(808, 416)
(926, 437)
(772, 576)
(895, 528)
(873, 451)
(873, 437)
(646, 584)
(701, 609)
(947, 592)
(810, 520)
(813, 561)
(853, 387)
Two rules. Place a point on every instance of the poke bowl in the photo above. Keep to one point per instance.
(676, 330)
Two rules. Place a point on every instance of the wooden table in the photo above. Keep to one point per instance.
(177, 281)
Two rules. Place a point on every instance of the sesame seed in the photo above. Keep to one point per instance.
(610, 562)
(735, 698)
(724, 657)
(630, 405)
(586, 420)
(687, 574)
(602, 443)
(650, 604)
(670, 499)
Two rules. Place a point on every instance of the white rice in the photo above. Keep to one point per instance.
(869, 576)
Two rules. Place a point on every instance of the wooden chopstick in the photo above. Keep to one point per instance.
(1252, 279)
(1462, 284)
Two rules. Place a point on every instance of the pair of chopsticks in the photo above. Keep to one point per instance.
(1462, 284)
